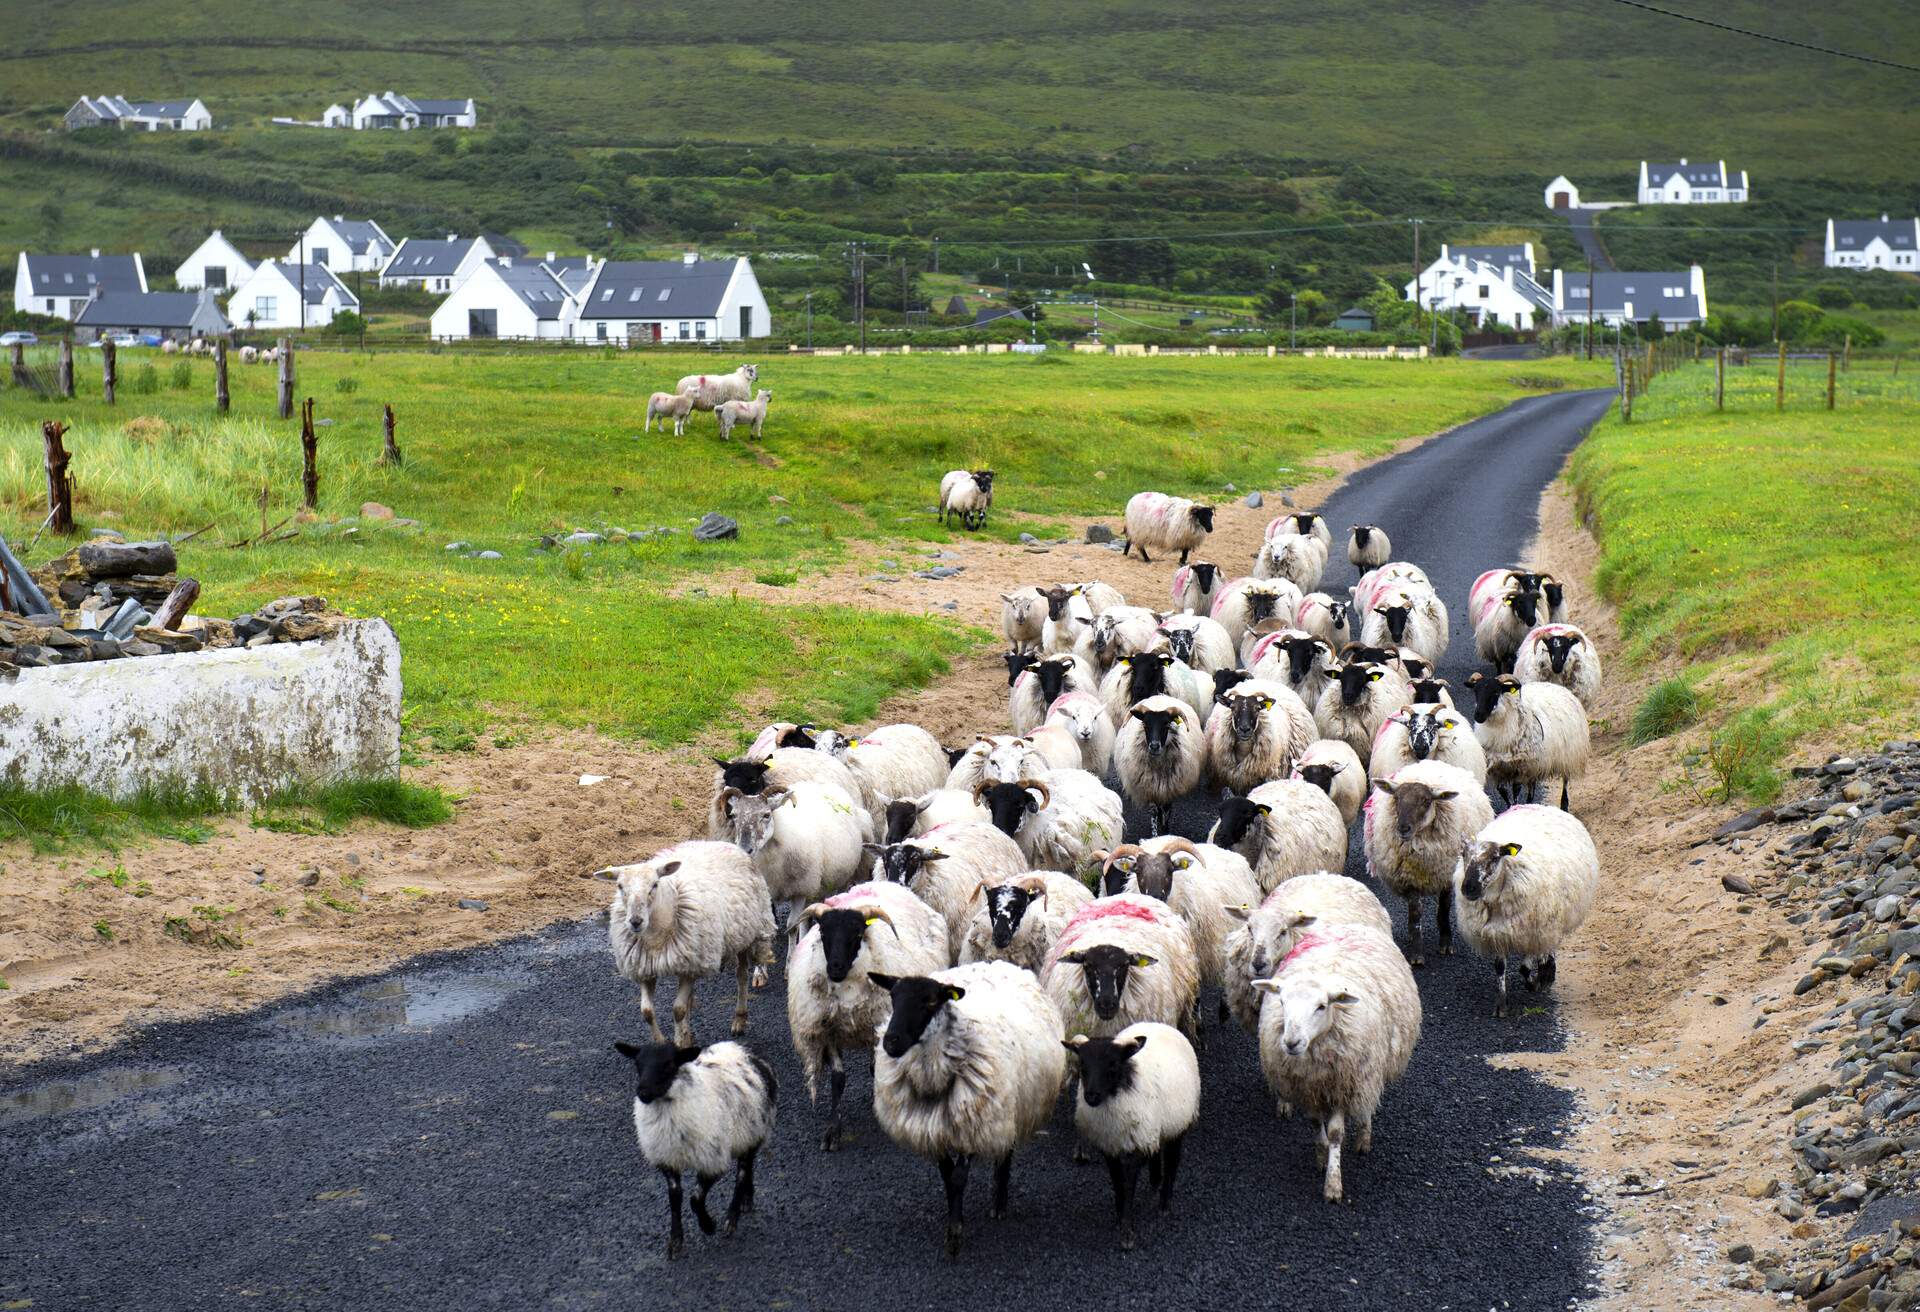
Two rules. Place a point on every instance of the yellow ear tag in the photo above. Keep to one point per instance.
(1512, 690)
(953, 995)
(1143, 962)
(1374, 677)
(1511, 849)
(873, 920)
(1509, 601)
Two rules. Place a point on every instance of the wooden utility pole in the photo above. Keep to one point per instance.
(222, 399)
(108, 375)
(20, 376)
(286, 377)
(309, 455)
(1832, 360)
(1590, 308)
(1780, 387)
(59, 483)
(1720, 379)
(1776, 300)
(66, 367)
(1416, 274)
(390, 454)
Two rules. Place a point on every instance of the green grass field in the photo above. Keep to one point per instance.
(1772, 553)
(501, 450)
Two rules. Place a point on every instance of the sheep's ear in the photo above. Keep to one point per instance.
(880, 981)
(1301, 921)
(722, 762)
(955, 993)
(979, 887)
(933, 854)
(685, 1055)
(1263, 985)
(606, 874)
(1074, 958)
(1384, 785)
(1447, 796)
(1342, 999)
(625, 1049)
(1263, 808)
(874, 849)
(1139, 1042)
(1241, 914)
(1007, 597)
(1075, 1043)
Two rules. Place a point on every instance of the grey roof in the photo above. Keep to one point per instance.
(1612, 290)
(427, 259)
(501, 244)
(1854, 234)
(164, 108)
(994, 313)
(658, 289)
(1538, 296)
(73, 275)
(1496, 255)
(361, 236)
(151, 310)
(319, 279)
(537, 286)
(574, 277)
(437, 106)
(1697, 174)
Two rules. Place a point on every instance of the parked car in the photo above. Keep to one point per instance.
(120, 340)
(18, 339)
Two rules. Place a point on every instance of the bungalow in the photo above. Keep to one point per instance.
(1678, 300)
(215, 263)
(1691, 184)
(392, 110)
(434, 266)
(178, 315)
(60, 284)
(503, 299)
(686, 300)
(188, 115)
(1493, 284)
(336, 116)
(279, 295)
(344, 245)
(1864, 244)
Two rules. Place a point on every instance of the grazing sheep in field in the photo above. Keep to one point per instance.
(1023, 617)
(753, 413)
(1298, 559)
(1283, 829)
(1415, 825)
(704, 1110)
(248, 355)
(1319, 901)
(1254, 735)
(1165, 524)
(1358, 701)
(1368, 547)
(945, 865)
(1562, 654)
(1532, 734)
(1044, 684)
(690, 911)
(1060, 822)
(168, 346)
(711, 391)
(1196, 585)
(1426, 731)
(669, 405)
(966, 493)
(909, 817)
(1019, 919)
(1159, 756)
(805, 840)
(1121, 960)
(830, 1006)
(1526, 882)
(1246, 602)
(1199, 641)
(1084, 715)
(1139, 1095)
(1334, 768)
(1327, 618)
(1341, 1023)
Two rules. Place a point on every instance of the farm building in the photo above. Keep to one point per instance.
(1867, 244)
(434, 266)
(503, 299)
(189, 115)
(1561, 194)
(273, 296)
(1493, 284)
(1355, 319)
(1677, 300)
(344, 245)
(684, 300)
(390, 109)
(215, 262)
(177, 315)
(1691, 184)
(60, 284)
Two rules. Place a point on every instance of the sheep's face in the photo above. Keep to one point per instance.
(1057, 599)
(1225, 681)
(919, 1008)
(1429, 690)
(1246, 709)
(1556, 596)
(1011, 803)
(1423, 731)
(644, 899)
(1273, 935)
(1008, 760)
(1180, 642)
(1202, 518)
(798, 735)
(1524, 605)
(1146, 674)
(1417, 808)
(752, 816)
(1355, 678)
(1204, 573)
(1239, 816)
(1396, 618)
(1301, 654)
(1339, 616)
(1306, 519)
(1153, 872)
(1023, 608)
(1488, 694)
(1260, 604)
(1483, 868)
(903, 813)
(751, 372)
(1561, 648)
(1363, 535)
(833, 742)
(1017, 661)
(1157, 727)
(983, 479)
(1413, 665)
(1082, 719)
(843, 931)
(1309, 1007)
(655, 1067)
(900, 862)
(1106, 1065)
(1053, 674)
(1106, 967)
(1320, 774)
(1007, 907)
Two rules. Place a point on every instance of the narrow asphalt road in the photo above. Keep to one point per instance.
(458, 1135)
(1586, 231)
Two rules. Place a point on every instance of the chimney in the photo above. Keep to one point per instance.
(691, 257)
(1883, 218)
(550, 257)
(1683, 159)
(96, 252)
(504, 261)
(453, 236)
(339, 218)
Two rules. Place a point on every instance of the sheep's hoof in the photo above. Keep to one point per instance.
(1127, 1240)
(726, 1228)
(759, 980)
(1500, 1011)
(1446, 949)
(955, 1233)
(739, 1026)
(676, 1248)
(830, 1141)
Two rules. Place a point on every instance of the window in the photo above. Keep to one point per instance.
(216, 275)
(483, 323)
(700, 330)
(49, 305)
(67, 276)
(634, 295)
(1485, 291)
(600, 330)
(1675, 291)
(266, 307)
(664, 293)
(606, 295)
(320, 255)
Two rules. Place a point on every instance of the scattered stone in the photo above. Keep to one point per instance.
(1740, 1254)
(1099, 534)
(939, 572)
(582, 538)
(714, 527)
(1810, 1094)
(1746, 820)
(374, 510)
(589, 780)
(472, 904)
(1231, 488)
(783, 521)
(1255, 500)
(1028, 539)
(1736, 884)
(487, 555)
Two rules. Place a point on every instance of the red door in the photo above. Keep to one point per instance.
(656, 332)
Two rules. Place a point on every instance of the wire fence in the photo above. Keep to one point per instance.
(1693, 377)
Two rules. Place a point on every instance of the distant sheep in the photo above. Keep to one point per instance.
(1245, 602)
(1409, 617)
(1199, 641)
(1166, 523)
(249, 354)
(1159, 756)
(711, 391)
(1298, 559)
(732, 414)
(1327, 618)
(669, 405)
(1368, 547)
(967, 493)
(1307, 523)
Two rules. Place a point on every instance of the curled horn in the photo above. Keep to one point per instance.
(1046, 793)
(728, 793)
(805, 920)
(1124, 852)
(979, 887)
(981, 787)
(1033, 882)
(1180, 845)
(880, 914)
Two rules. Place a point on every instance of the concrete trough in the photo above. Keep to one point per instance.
(244, 722)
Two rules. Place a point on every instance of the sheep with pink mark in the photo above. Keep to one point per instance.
(1376, 584)
(1298, 559)
(1315, 902)
(1201, 641)
(1297, 659)
(1248, 601)
(711, 391)
(1408, 617)
(1562, 654)
(1195, 586)
(1165, 524)
(1122, 960)
(1306, 523)
(1332, 620)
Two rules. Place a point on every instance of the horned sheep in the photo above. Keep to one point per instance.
(1199, 882)
(1060, 822)
(1562, 654)
(1044, 684)
(1019, 919)
(945, 865)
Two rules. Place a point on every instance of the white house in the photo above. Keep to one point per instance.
(215, 263)
(176, 315)
(60, 284)
(272, 295)
(1493, 284)
(1691, 184)
(336, 116)
(389, 109)
(344, 245)
(503, 299)
(435, 266)
(1678, 300)
(140, 115)
(685, 300)
(1864, 244)
(1562, 194)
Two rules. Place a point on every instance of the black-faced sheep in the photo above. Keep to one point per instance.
(1334, 768)
(1284, 828)
(1368, 547)
(1327, 618)
(1196, 585)
(1044, 684)
(1019, 919)
(1525, 882)
(1353, 707)
(1139, 1096)
(1532, 734)
(1426, 731)
(1562, 654)
(945, 865)
(1415, 823)
(1166, 523)
(967, 493)
(1060, 822)
(1120, 960)
(1159, 755)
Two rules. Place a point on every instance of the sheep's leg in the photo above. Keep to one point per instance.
(676, 1233)
(742, 971)
(683, 1011)
(1194, 1033)
(1320, 1144)
(647, 986)
(831, 1140)
(1129, 1182)
(702, 1183)
(1549, 971)
(742, 1200)
(1155, 1163)
(1416, 955)
(1183, 555)
(953, 1174)
(1143, 555)
(1333, 1190)
(1500, 979)
(1114, 1168)
(1002, 1182)
(1566, 791)
(1170, 1155)
(1363, 1136)
(1443, 912)
(1225, 1012)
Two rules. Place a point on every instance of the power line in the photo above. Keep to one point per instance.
(1767, 36)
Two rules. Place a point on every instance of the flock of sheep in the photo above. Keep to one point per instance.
(730, 397)
(975, 919)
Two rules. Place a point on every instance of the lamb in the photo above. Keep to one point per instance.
(830, 1006)
(1353, 707)
(1139, 1095)
(1133, 679)
(1199, 883)
(966, 493)
(669, 405)
(894, 760)
(1019, 919)
(1343, 1022)
(1415, 825)
(1307, 523)
(1165, 524)
(1368, 547)
(1199, 641)
(704, 1110)
(1300, 661)
(1502, 624)
(1041, 686)
(248, 355)
(1409, 618)
(1121, 960)
(1526, 882)
(1196, 585)
(690, 911)
(753, 413)
(1426, 731)
(1283, 829)
(1159, 756)
(908, 817)
(711, 391)
(945, 865)
(805, 840)
(1060, 822)
(1334, 768)
(1116, 632)
(1254, 736)
(1084, 715)
(1330, 620)
(782, 767)
(1320, 901)
(1057, 745)
(1245, 602)
(1299, 559)
(1562, 654)
(1532, 733)
(1023, 618)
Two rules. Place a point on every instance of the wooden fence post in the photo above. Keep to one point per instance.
(1626, 402)
(1720, 379)
(222, 399)
(390, 454)
(1832, 360)
(59, 483)
(309, 452)
(286, 377)
(108, 375)
(21, 377)
(1846, 353)
(66, 367)
(1780, 387)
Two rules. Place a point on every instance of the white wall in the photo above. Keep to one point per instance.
(217, 250)
(268, 281)
(513, 317)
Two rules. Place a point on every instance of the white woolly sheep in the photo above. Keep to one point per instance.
(1415, 824)
(248, 355)
(1298, 660)
(1023, 618)
(1135, 678)
(732, 414)
(1165, 523)
(1060, 822)
(1200, 641)
(1121, 960)
(1045, 683)
(966, 493)
(908, 817)
(1410, 618)
(1327, 618)
(1019, 919)
(1283, 829)
(690, 911)
(1245, 602)
(1368, 547)
(1139, 1095)
(1342, 1023)
(1116, 632)
(1254, 735)
(1196, 585)
(995, 756)
(1426, 731)
(1298, 559)
(782, 767)
(1307, 523)
(1159, 756)
(668, 405)
(1562, 654)
(1502, 625)
(805, 840)
(1199, 882)
(945, 865)
(1358, 701)
(1319, 901)
(831, 1008)
(1532, 733)
(970, 1065)
(701, 1110)
(1525, 882)
(893, 760)
(1334, 768)
(1084, 715)
(1056, 744)
(1395, 574)
(711, 391)
(1490, 586)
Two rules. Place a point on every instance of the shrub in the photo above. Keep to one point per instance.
(1670, 706)
(182, 378)
(346, 383)
(145, 381)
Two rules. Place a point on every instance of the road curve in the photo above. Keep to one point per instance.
(458, 1134)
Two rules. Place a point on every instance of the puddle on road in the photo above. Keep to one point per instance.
(83, 1093)
(405, 1003)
